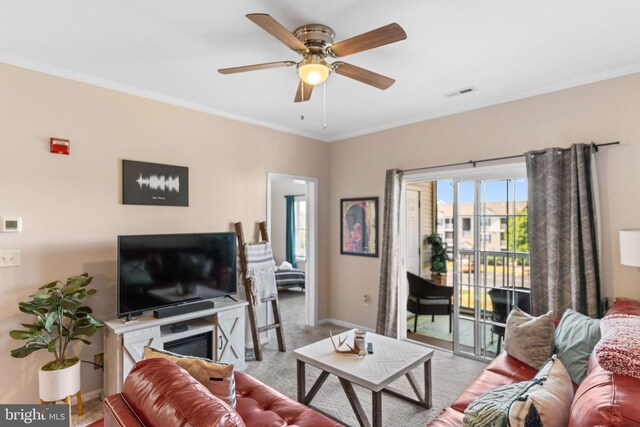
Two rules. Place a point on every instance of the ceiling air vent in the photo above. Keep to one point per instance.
(461, 92)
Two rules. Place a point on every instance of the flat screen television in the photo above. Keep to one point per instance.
(163, 270)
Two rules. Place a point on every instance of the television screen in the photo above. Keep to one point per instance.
(169, 269)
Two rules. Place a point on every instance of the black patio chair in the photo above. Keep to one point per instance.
(502, 299)
(427, 297)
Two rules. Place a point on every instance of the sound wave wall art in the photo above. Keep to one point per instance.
(154, 184)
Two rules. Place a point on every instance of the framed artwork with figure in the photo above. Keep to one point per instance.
(359, 226)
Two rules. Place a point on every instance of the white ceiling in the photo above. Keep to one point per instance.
(170, 50)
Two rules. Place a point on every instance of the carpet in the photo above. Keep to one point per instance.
(450, 374)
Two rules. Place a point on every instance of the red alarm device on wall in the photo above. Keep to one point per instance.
(60, 146)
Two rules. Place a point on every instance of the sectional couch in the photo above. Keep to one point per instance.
(602, 399)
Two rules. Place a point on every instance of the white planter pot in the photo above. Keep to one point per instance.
(56, 385)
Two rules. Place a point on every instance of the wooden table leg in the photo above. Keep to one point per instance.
(352, 397)
(376, 415)
(79, 396)
(316, 386)
(301, 380)
(427, 383)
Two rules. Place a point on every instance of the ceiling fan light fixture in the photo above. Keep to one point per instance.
(313, 71)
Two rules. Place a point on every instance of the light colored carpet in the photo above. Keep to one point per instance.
(450, 374)
(92, 411)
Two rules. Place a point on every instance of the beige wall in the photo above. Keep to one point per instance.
(71, 205)
(600, 112)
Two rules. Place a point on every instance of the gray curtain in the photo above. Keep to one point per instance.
(565, 272)
(387, 323)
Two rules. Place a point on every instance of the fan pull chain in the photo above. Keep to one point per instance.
(324, 105)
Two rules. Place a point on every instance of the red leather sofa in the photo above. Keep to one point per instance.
(159, 393)
(603, 398)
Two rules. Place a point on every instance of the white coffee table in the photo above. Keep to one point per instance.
(390, 360)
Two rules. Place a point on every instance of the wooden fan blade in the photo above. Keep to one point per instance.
(273, 27)
(362, 75)
(254, 67)
(304, 92)
(379, 37)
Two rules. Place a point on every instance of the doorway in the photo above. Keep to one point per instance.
(302, 192)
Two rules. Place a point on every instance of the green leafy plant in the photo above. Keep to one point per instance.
(60, 318)
(439, 256)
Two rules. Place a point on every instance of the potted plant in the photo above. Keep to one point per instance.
(439, 258)
(60, 319)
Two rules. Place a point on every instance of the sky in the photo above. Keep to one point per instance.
(491, 191)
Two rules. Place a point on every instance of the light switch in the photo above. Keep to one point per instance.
(10, 258)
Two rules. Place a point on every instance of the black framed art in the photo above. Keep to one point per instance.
(359, 226)
(154, 184)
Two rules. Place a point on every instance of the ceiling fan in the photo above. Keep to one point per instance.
(314, 42)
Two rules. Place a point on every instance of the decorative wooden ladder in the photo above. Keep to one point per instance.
(253, 318)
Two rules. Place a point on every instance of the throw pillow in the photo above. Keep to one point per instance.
(216, 377)
(491, 409)
(619, 349)
(529, 339)
(550, 397)
(543, 401)
(575, 338)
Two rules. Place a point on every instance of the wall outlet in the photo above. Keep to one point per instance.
(366, 299)
(10, 258)
(98, 359)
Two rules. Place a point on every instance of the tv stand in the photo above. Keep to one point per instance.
(124, 342)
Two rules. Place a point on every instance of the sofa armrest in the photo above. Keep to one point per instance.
(117, 412)
(606, 399)
(161, 393)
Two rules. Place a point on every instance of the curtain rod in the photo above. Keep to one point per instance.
(295, 195)
(474, 162)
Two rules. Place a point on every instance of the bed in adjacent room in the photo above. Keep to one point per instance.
(293, 278)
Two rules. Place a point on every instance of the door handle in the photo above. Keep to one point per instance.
(219, 342)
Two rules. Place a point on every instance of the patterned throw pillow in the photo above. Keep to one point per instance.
(492, 408)
(216, 377)
(543, 401)
(551, 397)
(619, 349)
(529, 339)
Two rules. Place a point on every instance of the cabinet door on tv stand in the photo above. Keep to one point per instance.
(229, 345)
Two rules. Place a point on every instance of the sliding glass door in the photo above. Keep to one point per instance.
(489, 241)
(481, 214)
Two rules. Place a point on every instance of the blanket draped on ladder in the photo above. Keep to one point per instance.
(261, 270)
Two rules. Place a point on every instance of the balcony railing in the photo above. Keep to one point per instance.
(496, 270)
